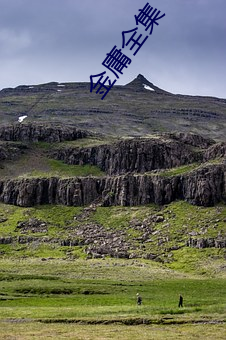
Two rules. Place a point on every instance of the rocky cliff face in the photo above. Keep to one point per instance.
(191, 139)
(34, 133)
(11, 151)
(131, 155)
(215, 151)
(125, 163)
(205, 187)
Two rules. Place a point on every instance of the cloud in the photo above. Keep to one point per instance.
(13, 42)
(42, 41)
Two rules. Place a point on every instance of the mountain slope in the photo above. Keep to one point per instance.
(130, 110)
(140, 83)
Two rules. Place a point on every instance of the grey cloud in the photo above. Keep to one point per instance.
(68, 40)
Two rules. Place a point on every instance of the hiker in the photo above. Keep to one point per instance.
(139, 299)
(180, 301)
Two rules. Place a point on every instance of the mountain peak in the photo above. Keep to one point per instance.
(141, 77)
(140, 83)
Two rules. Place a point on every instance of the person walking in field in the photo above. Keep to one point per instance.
(139, 299)
(180, 301)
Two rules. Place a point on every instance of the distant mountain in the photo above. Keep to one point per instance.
(140, 83)
(138, 108)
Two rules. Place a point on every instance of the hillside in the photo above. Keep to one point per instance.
(136, 109)
(100, 200)
(110, 197)
(128, 172)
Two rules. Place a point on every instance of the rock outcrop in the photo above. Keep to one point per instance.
(215, 151)
(191, 139)
(139, 155)
(132, 166)
(11, 151)
(205, 186)
(37, 132)
(219, 242)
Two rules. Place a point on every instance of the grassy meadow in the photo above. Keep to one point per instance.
(96, 299)
(52, 291)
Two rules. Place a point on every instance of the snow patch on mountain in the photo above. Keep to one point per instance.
(148, 87)
(21, 118)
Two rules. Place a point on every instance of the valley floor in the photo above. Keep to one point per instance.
(96, 299)
(31, 330)
(52, 289)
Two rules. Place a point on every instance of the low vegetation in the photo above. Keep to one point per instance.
(124, 112)
(58, 292)
(60, 169)
(111, 332)
(168, 240)
(180, 170)
(50, 287)
(35, 162)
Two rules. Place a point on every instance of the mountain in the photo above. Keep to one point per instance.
(64, 188)
(72, 179)
(100, 199)
(140, 83)
(139, 108)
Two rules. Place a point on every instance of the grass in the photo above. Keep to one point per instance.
(203, 261)
(55, 216)
(43, 167)
(37, 163)
(110, 332)
(60, 295)
(80, 143)
(60, 169)
(119, 217)
(87, 142)
(45, 287)
(96, 299)
(182, 221)
(180, 170)
(49, 290)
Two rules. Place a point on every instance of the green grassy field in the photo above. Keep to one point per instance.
(110, 332)
(96, 299)
(52, 291)
(180, 220)
(60, 169)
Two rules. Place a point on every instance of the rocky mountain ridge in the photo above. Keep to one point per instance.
(154, 165)
(135, 109)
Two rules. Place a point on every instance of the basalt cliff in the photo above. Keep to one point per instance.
(158, 169)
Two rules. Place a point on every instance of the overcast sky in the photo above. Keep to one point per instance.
(67, 40)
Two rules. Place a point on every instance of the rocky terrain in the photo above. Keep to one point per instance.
(39, 132)
(131, 155)
(205, 186)
(136, 160)
(134, 168)
(11, 150)
(152, 236)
